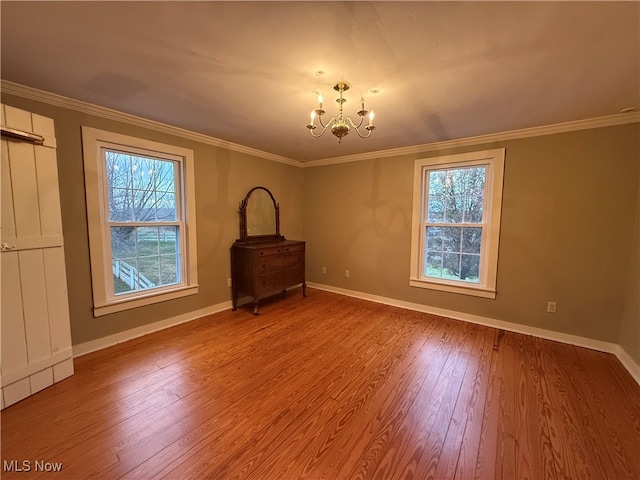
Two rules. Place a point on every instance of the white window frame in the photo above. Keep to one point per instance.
(493, 160)
(94, 142)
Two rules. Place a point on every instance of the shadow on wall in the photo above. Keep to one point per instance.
(387, 221)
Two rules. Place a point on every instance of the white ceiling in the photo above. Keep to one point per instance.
(244, 72)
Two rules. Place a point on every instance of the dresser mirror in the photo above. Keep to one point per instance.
(259, 216)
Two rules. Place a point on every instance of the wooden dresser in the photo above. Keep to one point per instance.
(261, 269)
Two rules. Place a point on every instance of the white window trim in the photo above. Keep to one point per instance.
(486, 288)
(93, 141)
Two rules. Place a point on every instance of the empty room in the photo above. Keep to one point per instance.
(320, 240)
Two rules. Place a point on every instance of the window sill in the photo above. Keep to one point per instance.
(141, 300)
(473, 290)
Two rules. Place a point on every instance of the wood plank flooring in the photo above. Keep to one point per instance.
(331, 387)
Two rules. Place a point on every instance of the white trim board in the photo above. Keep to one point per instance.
(632, 367)
(575, 125)
(608, 347)
(91, 109)
(121, 337)
(104, 112)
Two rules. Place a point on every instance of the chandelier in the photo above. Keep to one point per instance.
(340, 126)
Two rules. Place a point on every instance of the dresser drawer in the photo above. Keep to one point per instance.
(293, 276)
(264, 252)
(268, 282)
(293, 248)
(269, 263)
(293, 259)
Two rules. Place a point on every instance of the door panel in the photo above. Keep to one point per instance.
(35, 328)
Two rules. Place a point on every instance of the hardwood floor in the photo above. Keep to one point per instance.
(331, 387)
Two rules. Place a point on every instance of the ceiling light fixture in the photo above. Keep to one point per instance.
(340, 126)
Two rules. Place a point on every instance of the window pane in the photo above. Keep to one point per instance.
(471, 240)
(451, 266)
(470, 268)
(169, 270)
(125, 275)
(433, 264)
(434, 238)
(149, 272)
(123, 242)
(168, 240)
(169, 255)
(144, 206)
(474, 178)
(118, 169)
(451, 239)
(472, 209)
(147, 241)
(166, 207)
(164, 176)
(119, 205)
(142, 173)
(435, 210)
(436, 182)
(453, 209)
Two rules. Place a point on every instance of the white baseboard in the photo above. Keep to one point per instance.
(632, 367)
(104, 342)
(629, 363)
(608, 347)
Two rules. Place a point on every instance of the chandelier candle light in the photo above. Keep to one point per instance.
(340, 126)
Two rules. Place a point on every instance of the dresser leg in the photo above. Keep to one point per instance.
(255, 307)
(234, 297)
(304, 289)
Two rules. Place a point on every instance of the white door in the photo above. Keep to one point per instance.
(34, 315)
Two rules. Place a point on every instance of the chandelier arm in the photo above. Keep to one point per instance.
(324, 127)
(322, 124)
(369, 130)
(354, 125)
(319, 134)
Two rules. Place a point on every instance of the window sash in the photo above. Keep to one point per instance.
(181, 270)
(424, 215)
(111, 294)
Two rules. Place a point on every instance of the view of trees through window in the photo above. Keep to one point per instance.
(143, 221)
(454, 223)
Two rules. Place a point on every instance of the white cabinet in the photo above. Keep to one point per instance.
(35, 334)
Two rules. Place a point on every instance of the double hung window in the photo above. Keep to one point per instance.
(140, 202)
(456, 220)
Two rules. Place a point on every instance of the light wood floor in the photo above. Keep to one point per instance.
(331, 387)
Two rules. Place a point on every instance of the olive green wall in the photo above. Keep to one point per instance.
(569, 203)
(223, 177)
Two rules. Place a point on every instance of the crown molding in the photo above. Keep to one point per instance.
(108, 113)
(598, 122)
(91, 109)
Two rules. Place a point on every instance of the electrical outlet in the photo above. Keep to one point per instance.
(551, 307)
(228, 282)
(346, 274)
(324, 269)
